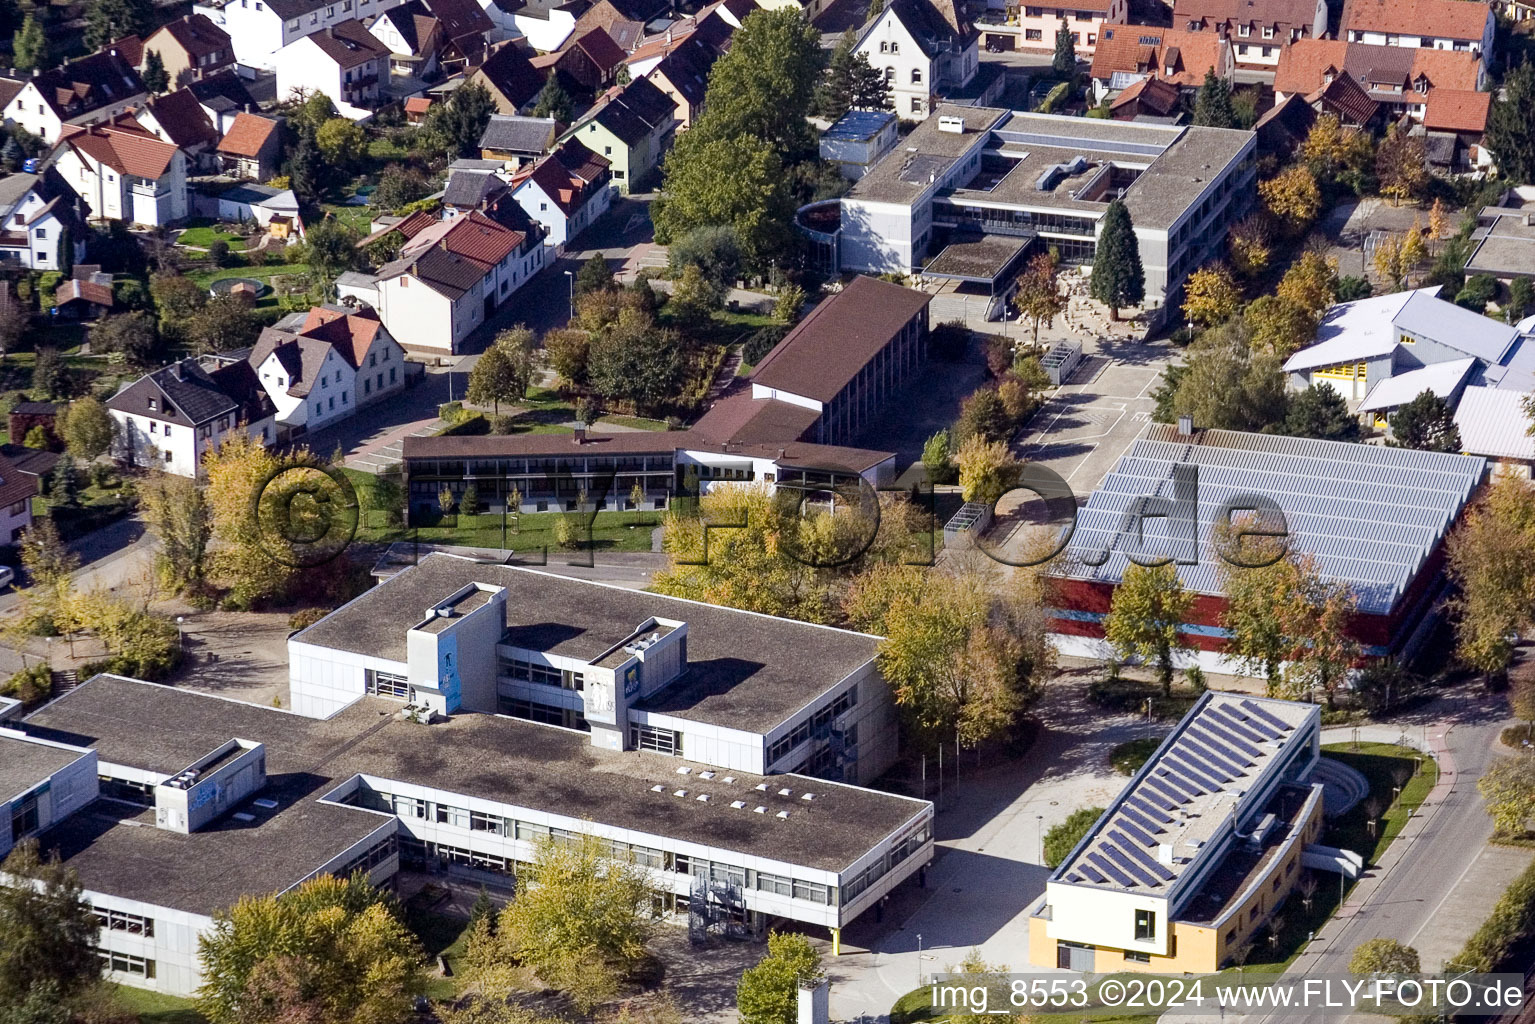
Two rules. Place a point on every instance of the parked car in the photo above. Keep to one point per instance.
(7, 576)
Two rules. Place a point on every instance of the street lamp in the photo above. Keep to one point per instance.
(181, 637)
(919, 959)
(572, 278)
(1039, 830)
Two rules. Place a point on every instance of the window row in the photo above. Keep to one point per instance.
(729, 874)
(820, 721)
(387, 684)
(510, 828)
(125, 963)
(368, 859)
(121, 921)
(661, 741)
(548, 675)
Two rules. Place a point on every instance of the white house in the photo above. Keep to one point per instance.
(566, 191)
(547, 23)
(262, 28)
(171, 417)
(34, 209)
(1422, 24)
(923, 48)
(94, 88)
(343, 61)
(124, 173)
(326, 367)
(449, 277)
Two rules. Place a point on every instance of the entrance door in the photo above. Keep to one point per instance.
(1074, 956)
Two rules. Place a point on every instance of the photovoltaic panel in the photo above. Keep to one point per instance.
(1173, 796)
(1109, 869)
(1157, 798)
(1259, 725)
(1137, 872)
(1140, 820)
(1210, 736)
(1146, 807)
(1091, 873)
(1222, 716)
(1150, 863)
(1196, 755)
(1134, 832)
(1231, 738)
(1210, 756)
(1189, 773)
(1175, 786)
(1259, 711)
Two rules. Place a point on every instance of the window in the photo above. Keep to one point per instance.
(372, 359)
(119, 921)
(1092, 39)
(126, 963)
(1136, 957)
(916, 76)
(317, 409)
(386, 684)
(41, 233)
(24, 820)
(167, 430)
(916, 104)
(662, 741)
(1268, 31)
(332, 403)
(367, 386)
(153, 405)
(391, 375)
(775, 884)
(890, 74)
(1145, 925)
(409, 806)
(1244, 31)
(167, 456)
(154, 428)
(812, 891)
(895, 47)
(1032, 34)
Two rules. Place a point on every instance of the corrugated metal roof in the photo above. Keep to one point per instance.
(1426, 316)
(1354, 331)
(1440, 378)
(1369, 515)
(1493, 423)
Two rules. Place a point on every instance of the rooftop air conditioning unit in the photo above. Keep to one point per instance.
(951, 124)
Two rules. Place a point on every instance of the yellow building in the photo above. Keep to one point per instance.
(1197, 852)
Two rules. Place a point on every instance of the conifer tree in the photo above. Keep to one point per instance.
(1118, 278)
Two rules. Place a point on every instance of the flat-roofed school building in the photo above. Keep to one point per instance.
(1198, 850)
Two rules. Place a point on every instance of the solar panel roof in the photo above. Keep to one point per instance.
(1370, 516)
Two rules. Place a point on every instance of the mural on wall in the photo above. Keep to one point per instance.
(447, 671)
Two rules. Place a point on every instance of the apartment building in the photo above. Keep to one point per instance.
(260, 29)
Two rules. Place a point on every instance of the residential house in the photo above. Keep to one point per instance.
(1148, 99)
(468, 189)
(1284, 127)
(633, 128)
(416, 108)
(86, 295)
(1084, 20)
(512, 81)
(37, 212)
(343, 61)
(566, 191)
(263, 29)
(624, 25)
(546, 24)
(90, 89)
(1128, 53)
(17, 489)
(683, 75)
(223, 96)
(252, 148)
(1258, 32)
(592, 59)
(430, 37)
(1465, 25)
(124, 173)
(191, 47)
(449, 278)
(1398, 79)
(26, 416)
(179, 119)
(1345, 99)
(516, 141)
(709, 26)
(274, 209)
(325, 367)
(924, 48)
(1458, 117)
(172, 417)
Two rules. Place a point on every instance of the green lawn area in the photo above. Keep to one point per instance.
(441, 935)
(358, 218)
(386, 149)
(154, 1008)
(266, 273)
(202, 233)
(612, 531)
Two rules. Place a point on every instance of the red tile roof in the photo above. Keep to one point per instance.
(1213, 13)
(418, 104)
(599, 46)
(1457, 110)
(1448, 19)
(247, 134)
(473, 236)
(15, 486)
(1305, 64)
(125, 149)
(1175, 56)
(351, 334)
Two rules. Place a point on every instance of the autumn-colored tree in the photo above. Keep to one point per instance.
(1521, 697)
(1211, 296)
(1311, 283)
(1039, 292)
(1384, 956)
(1388, 260)
(1144, 620)
(1292, 198)
(1414, 251)
(1250, 247)
(175, 511)
(768, 992)
(49, 564)
(1508, 786)
(251, 560)
(1331, 150)
(1278, 325)
(50, 935)
(1401, 162)
(987, 469)
(1494, 574)
(1315, 618)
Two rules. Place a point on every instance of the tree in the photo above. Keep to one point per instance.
(1401, 163)
(1249, 246)
(694, 299)
(1118, 278)
(244, 561)
(982, 415)
(129, 335)
(1508, 124)
(1064, 62)
(1508, 786)
(1226, 384)
(1332, 151)
(49, 376)
(400, 186)
(1038, 296)
(765, 83)
(713, 249)
(1211, 296)
(580, 918)
(987, 470)
(1414, 251)
(936, 459)
(1388, 261)
(332, 248)
(14, 321)
(1292, 198)
(636, 361)
(499, 375)
(1521, 294)
(1521, 697)
(1061, 839)
(12, 156)
(1320, 411)
(1352, 289)
(1494, 575)
(50, 930)
(87, 429)
(739, 181)
(29, 47)
(331, 949)
(457, 125)
(1426, 423)
(1311, 283)
(225, 322)
(1212, 106)
(37, 438)
(1148, 607)
(594, 275)
(565, 352)
(304, 168)
(1479, 290)
(155, 78)
(176, 512)
(315, 109)
(107, 20)
(850, 82)
(1384, 956)
(342, 143)
(1278, 325)
(1315, 619)
(768, 992)
(553, 101)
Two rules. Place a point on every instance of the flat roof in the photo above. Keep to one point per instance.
(1184, 796)
(25, 764)
(1369, 515)
(745, 671)
(1506, 247)
(985, 260)
(490, 757)
(906, 171)
(859, 125)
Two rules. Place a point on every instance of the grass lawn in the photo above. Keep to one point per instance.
(386, 149)
(441, 935)
(612, 531)
(637, 422)
(358, 218)
(204, 232)
(262, 273)
(154, 1008)
(1127, 758)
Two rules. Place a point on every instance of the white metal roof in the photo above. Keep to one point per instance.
(1440, 378)
(1369, 515)
(1427, 316)
(1355, 331)
(1493, 422)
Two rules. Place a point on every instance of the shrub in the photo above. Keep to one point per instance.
(502, 424)
(569, 529)
(218, 252)
(451, 412)
(1512, 922)
(949, 340)
(31, 685)
(306, 617)
(761, 342)
(1060, 840)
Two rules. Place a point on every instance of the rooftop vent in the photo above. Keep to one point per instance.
(1186, 425)
(759, 809)
(951, 124)
(785, 792)
(730, 778)
(807, 796)
(242, 816)
(783, 815)
(683, 770)
(679, 792)
(706, 775)
(265, 804)
(762, 786)
(738, 804)
(702, 798)
(1052, 175)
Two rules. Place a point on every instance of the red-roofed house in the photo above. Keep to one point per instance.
(449, 277)
(1128, 53)
(324, 368)
(191, 47)
(124, 173)
(1257, 32)
(416, 108)
(343, 61)
(1037, 26)
(1461, 115)
(17, 490)
(252, 147)
(1398, 79)
(1465, 25)
(566, 191)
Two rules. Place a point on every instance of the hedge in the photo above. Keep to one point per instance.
(1511, 923)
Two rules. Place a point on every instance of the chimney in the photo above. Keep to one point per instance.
(1186, 426)
(579, 435)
